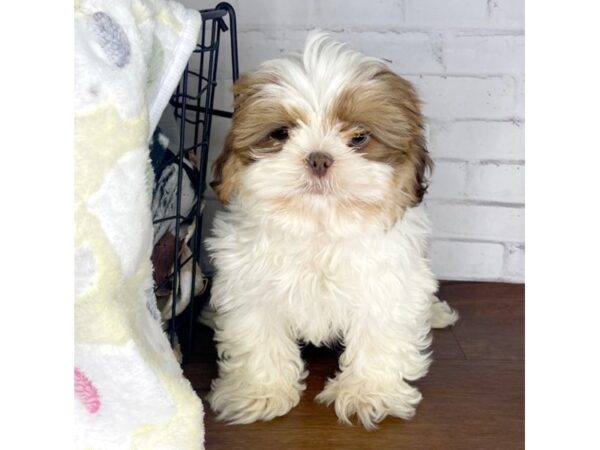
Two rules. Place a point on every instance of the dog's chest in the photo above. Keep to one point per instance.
(318, 264)
(315, 283)
(318, 285)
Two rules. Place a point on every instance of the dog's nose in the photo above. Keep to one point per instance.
(319, 162)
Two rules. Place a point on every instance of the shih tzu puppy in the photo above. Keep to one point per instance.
(323, 239)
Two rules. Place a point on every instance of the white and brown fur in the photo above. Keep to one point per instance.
(328, 253)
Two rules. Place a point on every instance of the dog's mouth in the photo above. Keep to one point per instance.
(319, 186)
(317, 190)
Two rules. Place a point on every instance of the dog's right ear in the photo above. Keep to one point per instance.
(246, 124)
(227, 167)
(226, 172)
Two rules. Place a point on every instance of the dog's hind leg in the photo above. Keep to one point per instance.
(442, 315)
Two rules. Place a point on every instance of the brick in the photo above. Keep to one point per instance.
(514, 265)
(448, 180)
(408, 52)
(256, 47)
(485, 54)
(456, 260)
(457, 97)
(308, 14)
(480, 222)
(446, 14)
(520, 96)
(475, 140)
(507, 14)
(496, 182)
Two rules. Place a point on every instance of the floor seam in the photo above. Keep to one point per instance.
(458, 343)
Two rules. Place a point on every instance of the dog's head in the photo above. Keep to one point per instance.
(330, 134)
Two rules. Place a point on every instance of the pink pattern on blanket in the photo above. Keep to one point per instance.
(87, 393)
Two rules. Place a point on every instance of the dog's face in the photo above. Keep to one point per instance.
(331, 135)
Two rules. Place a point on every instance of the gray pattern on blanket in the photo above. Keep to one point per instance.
(112, 39)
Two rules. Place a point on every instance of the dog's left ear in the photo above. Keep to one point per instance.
(423, 167)
(409, 130)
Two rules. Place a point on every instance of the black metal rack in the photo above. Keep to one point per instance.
(193, 103)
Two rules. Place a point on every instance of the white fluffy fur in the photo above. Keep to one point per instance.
(313, 271)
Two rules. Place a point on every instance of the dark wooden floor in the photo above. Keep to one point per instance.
(473, 394)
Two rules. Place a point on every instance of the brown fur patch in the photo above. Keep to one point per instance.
(255, 115)
(388, 108)
(226, 171)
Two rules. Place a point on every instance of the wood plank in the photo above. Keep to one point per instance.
(492, 319)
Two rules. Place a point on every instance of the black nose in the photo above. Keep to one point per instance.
(319, 163)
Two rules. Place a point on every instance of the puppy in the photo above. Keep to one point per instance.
(322, 238)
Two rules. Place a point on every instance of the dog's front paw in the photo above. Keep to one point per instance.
(246, 403)
(369, 400)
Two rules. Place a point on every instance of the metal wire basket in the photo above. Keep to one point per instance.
(193, 103)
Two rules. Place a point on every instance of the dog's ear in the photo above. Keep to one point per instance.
(226, 171)
(423, 168)
(410, 129)
(227, 166)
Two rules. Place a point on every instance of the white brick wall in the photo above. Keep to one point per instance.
(493, 54)
(478, 140)
(466, 58)
(467, 97)
(467, 260)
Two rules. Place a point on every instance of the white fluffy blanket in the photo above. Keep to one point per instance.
(129, 390)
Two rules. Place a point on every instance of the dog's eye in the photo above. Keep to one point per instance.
(359, 140)
(280, 134)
